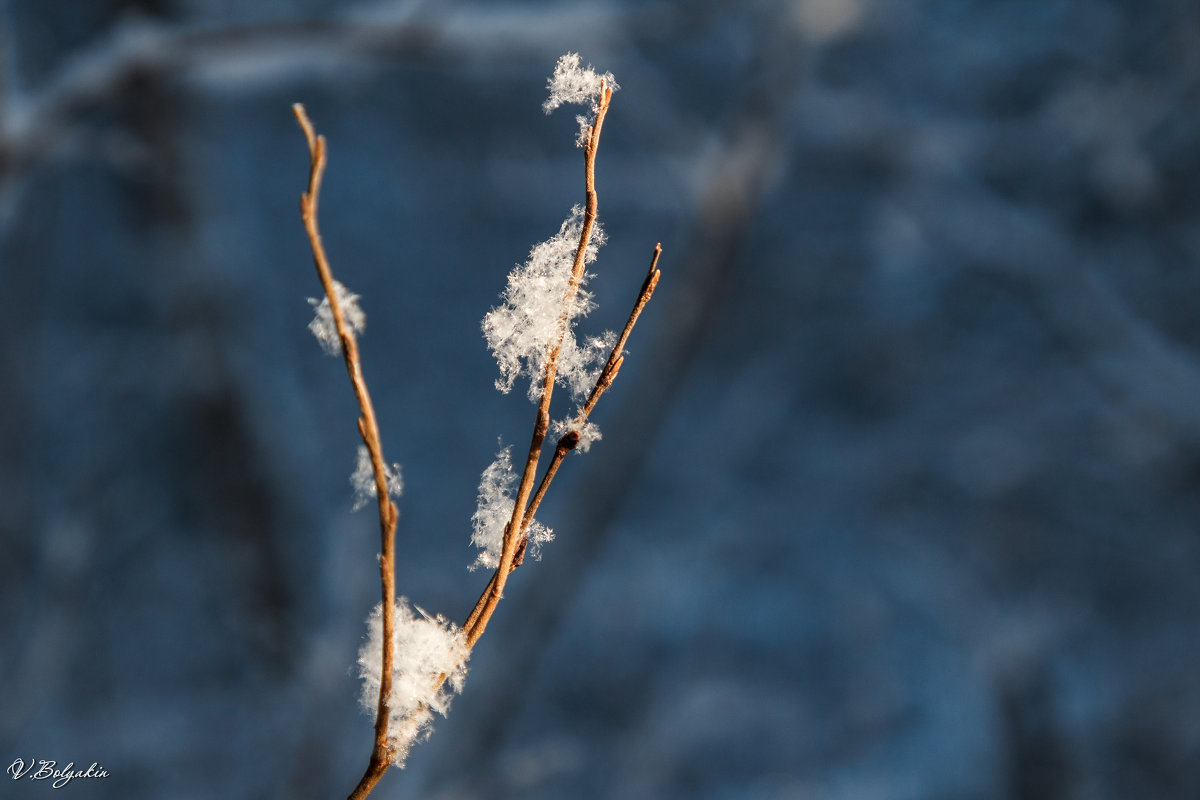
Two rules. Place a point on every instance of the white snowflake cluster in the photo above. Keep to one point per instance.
(521, 331)
(322, 325)
(571, 83)
(494, 510)
(363, 480)
(424, 648)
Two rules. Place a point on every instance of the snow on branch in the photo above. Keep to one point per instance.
(411, 663)
(588, 432)
(571, 83)
(425, 650)
(521, 331)
(363, 480)
(494, 510)
(322, 325)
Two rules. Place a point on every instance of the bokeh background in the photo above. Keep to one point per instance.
(898, 491)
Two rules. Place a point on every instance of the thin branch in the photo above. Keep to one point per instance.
(568, 441)
(368, 429)
(732, 191)
(617, 357)
(512, 533)
(524, 508)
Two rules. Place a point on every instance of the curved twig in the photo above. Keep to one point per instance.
(368, 428)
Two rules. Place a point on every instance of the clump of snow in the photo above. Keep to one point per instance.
(588, 431)
(579, 364)
(424, 648)
(521, 331)
(571, 83)
(322, 325)
(494, 510)
(524, 329)
(363, 480)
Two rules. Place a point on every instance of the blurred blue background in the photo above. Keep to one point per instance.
(897, 496)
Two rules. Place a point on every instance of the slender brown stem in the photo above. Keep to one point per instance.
(525, 506)
(568, 441)
(617, 357)
(368, 429)
(513, 531)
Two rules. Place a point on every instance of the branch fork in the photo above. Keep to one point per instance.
(527, 500)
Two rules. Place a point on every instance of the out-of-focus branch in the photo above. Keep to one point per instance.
(36, 122)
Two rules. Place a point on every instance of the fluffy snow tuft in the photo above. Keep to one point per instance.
(521, 331)
(571, 83)
(424, 648)
(494, 510)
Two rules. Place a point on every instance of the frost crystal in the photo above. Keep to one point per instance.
(322, 325)
(495, 509)
(363, 480)
(588, 432)
(424, 648)
(571, 83)
(521, 331)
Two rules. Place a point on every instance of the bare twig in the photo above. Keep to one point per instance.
(616, 358)
(368, 429)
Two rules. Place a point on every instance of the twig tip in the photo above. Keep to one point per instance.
(306, 126)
